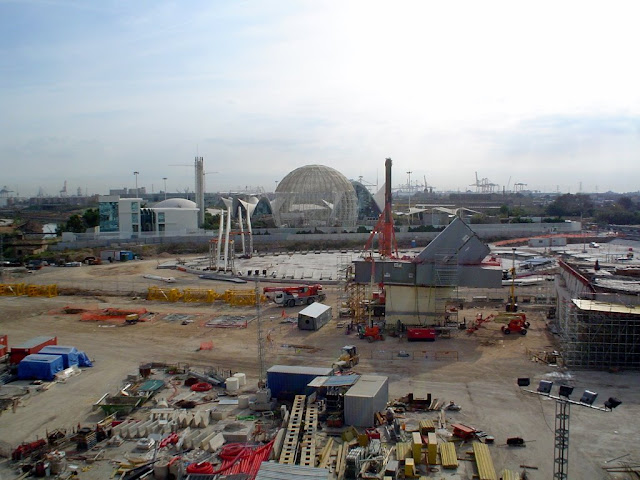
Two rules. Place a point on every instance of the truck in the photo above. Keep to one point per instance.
(296, 295)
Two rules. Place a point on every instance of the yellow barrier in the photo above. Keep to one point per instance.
(239, 298)
(199, 295)
(12, 289)
(232, 297)
(164, 294)
(42, 290)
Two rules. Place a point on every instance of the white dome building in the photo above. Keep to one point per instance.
(315, 196)
(175, 203)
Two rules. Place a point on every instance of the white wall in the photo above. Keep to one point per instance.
(179, 219)
(127, 207)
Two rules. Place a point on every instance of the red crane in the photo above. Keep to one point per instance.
(387, 245)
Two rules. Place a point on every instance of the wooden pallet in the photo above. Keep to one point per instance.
(290, 443)
(308, 444)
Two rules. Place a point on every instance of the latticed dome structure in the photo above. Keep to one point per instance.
(316, 196)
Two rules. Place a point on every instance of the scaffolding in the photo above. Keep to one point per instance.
(216, 263)
(599, 335)
(344, 270)
(445, 286)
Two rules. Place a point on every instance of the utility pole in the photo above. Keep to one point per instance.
(165, 187)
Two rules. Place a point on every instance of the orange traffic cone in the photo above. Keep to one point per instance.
(284, 315)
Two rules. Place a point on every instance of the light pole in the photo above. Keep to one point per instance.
(136, 175)
(563, 404)
(409, 173)
(165, 187)
(276, 186)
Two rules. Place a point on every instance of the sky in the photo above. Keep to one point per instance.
(544, 93)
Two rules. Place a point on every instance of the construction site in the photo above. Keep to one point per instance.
(453, 360)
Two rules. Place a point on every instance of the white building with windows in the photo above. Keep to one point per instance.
(128, 218)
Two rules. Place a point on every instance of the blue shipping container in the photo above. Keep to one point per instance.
(286, 381)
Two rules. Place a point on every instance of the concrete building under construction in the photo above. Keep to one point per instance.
(420, 290)
(598, 318)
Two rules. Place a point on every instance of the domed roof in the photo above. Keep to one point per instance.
(315, 195)
(176, 203)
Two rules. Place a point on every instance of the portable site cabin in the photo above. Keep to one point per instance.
(40, 367)
(116, 255)
(314, 317)
(369, 395)
(69, 354)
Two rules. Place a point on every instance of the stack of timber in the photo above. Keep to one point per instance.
(486, 470)
(448, 456)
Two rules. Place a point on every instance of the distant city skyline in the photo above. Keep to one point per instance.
(540, 94)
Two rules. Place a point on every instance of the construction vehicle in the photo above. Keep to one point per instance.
(297, 295)
(348, 359)
(371, 333)
(517, 323)
(421, 333)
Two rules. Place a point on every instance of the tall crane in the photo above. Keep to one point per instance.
(387, 245)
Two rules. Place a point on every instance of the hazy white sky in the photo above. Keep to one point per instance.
(544, 93)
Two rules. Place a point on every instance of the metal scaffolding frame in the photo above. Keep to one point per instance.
(445, 284)
(598, 339)
(344, 274)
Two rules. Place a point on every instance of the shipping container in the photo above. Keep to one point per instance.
(369, 395)
(286, 381)
(314, 317)
(34, 345)
(39, 367)
(69, 354)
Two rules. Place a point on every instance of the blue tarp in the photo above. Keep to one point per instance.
(40, 367)
(83, 360)
(69, 354)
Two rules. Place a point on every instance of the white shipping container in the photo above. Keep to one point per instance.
(369, 395)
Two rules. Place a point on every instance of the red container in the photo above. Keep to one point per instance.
(33, 345)
(428, 334)
(4, 340)
(3, 351)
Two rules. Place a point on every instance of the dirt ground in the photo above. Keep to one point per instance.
(478, 371)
